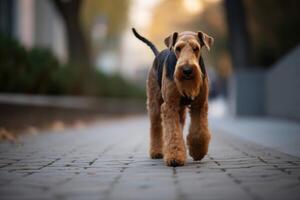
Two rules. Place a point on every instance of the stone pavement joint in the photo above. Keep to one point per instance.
(110, 161)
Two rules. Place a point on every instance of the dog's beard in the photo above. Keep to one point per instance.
(189, 88)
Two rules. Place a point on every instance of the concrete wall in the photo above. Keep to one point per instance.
(283, 87)
(247, 92)
(274, 93)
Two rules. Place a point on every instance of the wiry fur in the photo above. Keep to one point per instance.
(167, 88)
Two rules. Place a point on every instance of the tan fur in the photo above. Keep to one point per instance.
(167, 115)
(187, 57)
(199, 135)
(174, 147)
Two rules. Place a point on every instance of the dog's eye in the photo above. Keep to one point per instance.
(195, 49)
(178, 49)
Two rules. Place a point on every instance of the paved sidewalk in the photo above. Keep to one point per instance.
(280, 134)
(110, 161)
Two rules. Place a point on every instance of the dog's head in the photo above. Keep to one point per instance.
(187, 47)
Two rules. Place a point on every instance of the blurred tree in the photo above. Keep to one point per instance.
(274, 28)
(110, 16)
(78, 48)
(115, 13)
(238, 33)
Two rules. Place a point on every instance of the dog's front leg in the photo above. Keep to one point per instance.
(199, 134)
(173, 142)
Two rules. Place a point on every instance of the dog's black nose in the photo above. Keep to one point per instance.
(187, 70)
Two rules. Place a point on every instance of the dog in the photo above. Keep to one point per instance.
(178, 81)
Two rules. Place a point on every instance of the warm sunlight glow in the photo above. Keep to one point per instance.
(141, 12)
(193, 6)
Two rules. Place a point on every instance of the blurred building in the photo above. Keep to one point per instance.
(255, 89)
(273, 92)
(34, 23)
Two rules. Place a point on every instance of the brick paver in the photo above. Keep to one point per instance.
(110, 161)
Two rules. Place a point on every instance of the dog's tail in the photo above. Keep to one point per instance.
(146, 41)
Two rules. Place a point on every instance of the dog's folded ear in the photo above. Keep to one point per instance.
(205, 40)
(202, 66)
(171, 40)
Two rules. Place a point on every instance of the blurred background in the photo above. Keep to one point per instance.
(71, 61)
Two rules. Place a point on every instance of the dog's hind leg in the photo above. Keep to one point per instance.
(154, 101)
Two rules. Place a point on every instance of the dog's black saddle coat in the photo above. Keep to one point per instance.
(168, 59)
(159, 65)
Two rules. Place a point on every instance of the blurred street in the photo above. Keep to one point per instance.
(110, 160)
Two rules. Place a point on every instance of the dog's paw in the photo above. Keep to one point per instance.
(198, 146)
(197, 155)
(197, 151)
(174, 162)
(156, 155)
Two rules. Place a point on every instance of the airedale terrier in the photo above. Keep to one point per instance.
(176, 81)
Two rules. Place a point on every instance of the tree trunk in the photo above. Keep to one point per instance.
(238, 33)
(78, 51)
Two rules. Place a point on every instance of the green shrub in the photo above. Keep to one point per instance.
(37, 71)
